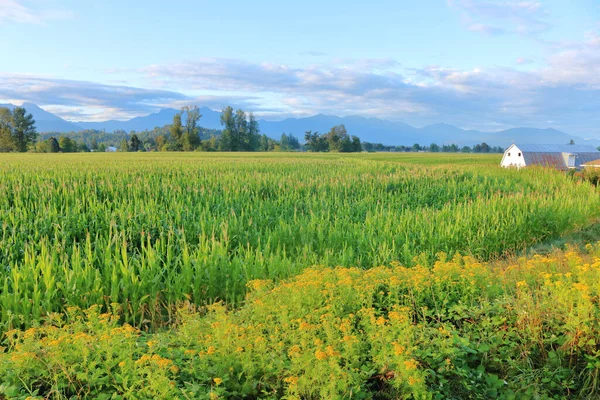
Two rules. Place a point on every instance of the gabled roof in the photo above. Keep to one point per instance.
(557, 148)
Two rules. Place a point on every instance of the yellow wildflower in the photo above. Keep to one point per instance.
(292, 380)
(320, 355)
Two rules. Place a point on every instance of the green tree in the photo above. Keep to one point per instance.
(67, 145)
(176, 130)
(190, 139)
(134, 143)
(228, 141)
(293, 142)
(345, 145)
(416, 147)
(253, 133)
(6, 128)
(316, 142)
(94, 144)
(241, 131)
(123, 146)
(284, 143)
(335, 136)
(356, 144)
(24, 132)
(434, 148)
(466, 149)
(52, 145)
(450, 149)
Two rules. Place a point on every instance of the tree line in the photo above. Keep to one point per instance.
(240, 132)
(433, 148)
(337, 139)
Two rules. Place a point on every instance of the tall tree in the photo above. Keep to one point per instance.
(356, 145)
(52, 145)
(6, 128)
(253, 132)
(293, 142)
(24, 132)
(191, 137)
(336, 136)
(228, 139)
(284, 143)
(176, 130)
(123, 146)
(67, 145)
(134, 143)
(241, 131)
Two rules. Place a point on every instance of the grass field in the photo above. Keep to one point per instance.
(139, 234)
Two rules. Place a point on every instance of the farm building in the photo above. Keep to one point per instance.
(549, 155)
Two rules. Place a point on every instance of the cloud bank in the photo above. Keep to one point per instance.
(563, 94)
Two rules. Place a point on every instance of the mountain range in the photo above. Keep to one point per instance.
(368, 129)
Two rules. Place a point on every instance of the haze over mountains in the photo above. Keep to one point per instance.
(368, 129)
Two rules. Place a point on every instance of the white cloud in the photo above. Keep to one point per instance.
(63, 94)
(17, 11)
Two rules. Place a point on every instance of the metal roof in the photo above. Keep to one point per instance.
(557, 160)
(554, 160)
(557, 148)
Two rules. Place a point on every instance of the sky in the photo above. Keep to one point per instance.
(476, 64)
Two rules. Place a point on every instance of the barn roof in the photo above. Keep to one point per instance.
(557, 148)
(547, 159)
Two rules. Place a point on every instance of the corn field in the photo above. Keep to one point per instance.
(140, 233)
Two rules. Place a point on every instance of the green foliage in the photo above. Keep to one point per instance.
(24, 133)
(525, 328)
(241, 132)
(134, 143)
(17, 130)
(315, 142)
(7, 143)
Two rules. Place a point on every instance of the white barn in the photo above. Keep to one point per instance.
(557, 156)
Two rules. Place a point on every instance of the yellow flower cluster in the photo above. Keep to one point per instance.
(312, 335)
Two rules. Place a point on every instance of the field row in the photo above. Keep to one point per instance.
(144, 232)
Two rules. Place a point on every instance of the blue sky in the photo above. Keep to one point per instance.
(482, 64)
